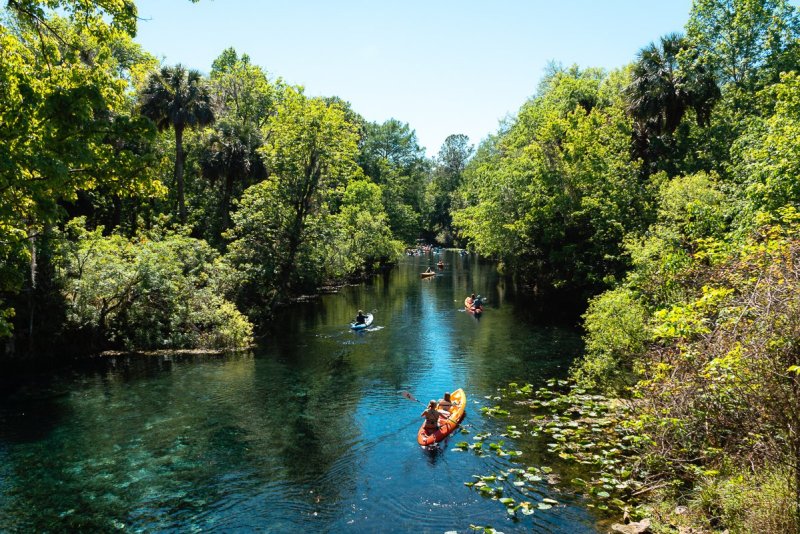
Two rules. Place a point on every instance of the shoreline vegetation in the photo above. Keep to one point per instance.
(149, 207)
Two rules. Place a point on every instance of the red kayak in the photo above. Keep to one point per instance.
(446, 426)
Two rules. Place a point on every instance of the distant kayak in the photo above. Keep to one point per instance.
(471, 307)
(446, 426)
(426, 275)
(362, 326)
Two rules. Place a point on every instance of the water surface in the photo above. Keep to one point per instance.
(309, 432)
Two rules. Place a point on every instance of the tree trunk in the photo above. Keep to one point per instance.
(116, 214)
(226, 202)
(32, 296)
(179, 156)
(302, 207)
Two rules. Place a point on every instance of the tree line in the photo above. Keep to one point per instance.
(151, 206)
(665, 194)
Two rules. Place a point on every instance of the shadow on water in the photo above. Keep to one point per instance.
(309, 432)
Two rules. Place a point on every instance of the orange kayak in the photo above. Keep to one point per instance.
(446, 426)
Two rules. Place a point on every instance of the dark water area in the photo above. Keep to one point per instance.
(308, 433)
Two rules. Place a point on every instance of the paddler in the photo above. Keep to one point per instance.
(432, 415)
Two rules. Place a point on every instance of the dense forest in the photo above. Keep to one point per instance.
(148, 206)
(666, 193)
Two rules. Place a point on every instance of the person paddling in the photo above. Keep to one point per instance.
(432, 415)
(361, 318)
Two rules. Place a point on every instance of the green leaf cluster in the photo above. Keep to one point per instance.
(158, 290)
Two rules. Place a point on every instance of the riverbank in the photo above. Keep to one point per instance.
(628, 476)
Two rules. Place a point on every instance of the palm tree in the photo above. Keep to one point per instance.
(177, 98)
(231, 154)
(657, 95)
(666, 82)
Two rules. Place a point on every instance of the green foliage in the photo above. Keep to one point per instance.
(67, 126)
(243, 91)
(745, 42)
(363, 238)
(156, 290)
(446, 177)
(176, 98)
(230, 156)
(282, 224)
(616, 334)
(90, 14)
(554, 195)
(666, 83)
(743, 502)
(767, 155)
(391, 157)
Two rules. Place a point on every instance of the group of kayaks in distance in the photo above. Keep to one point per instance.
(447, 412)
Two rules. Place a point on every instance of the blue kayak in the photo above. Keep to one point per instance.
(364, 325)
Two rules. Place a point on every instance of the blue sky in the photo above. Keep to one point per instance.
(443, 66)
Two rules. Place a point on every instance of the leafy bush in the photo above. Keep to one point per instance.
(616, 332)
(162, 289)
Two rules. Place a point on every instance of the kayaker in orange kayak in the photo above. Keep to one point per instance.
(432, 415)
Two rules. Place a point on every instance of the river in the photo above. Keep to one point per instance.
(307, 433)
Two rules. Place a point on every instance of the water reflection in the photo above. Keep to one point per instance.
(310, 432)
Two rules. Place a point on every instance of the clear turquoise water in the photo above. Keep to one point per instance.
(308, 433)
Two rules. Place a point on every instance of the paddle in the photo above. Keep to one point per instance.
(409, 396)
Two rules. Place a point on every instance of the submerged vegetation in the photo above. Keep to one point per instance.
(149, 206)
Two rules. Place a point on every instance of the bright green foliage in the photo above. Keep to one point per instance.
(279, 231)
(446, 177)
(767, 156)
(391, 156)
(364, 238)
(692, 216)
(692, 219)
(745, 42)
(722, 380)
(242, 90)
(156, 290)
(91, 14)
(694, 207)
(616, 334)
(66, 127)
(555, 194)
